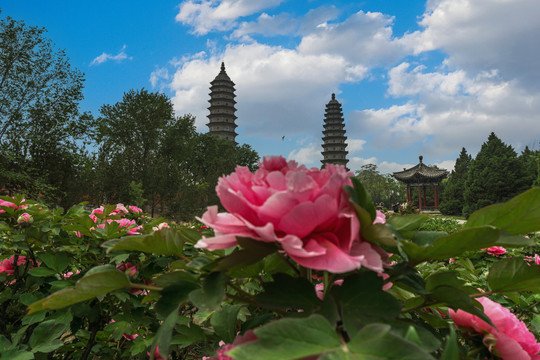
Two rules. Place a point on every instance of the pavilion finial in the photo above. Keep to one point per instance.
(333, 96)
(222, 66)
(421, 158)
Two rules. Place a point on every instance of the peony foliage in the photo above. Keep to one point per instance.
(298, 264)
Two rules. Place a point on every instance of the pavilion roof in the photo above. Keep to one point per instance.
(421, 173)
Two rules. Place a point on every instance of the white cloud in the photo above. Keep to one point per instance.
(268, 25)
(482, 35)
(276, 88)
(159, 75)
(210, 15)
(104, 57)
(355, 145)
(364, 38)
(309, 155)
(450, 110)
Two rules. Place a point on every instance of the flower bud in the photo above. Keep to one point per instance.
(25, 219)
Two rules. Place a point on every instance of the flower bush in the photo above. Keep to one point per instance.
(282, 277)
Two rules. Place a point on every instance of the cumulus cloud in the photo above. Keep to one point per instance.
(210, 15)
(159, 75)
(278, 87)
(363, 38)
(482, 35)
(309, 155)
(451, 110)
(104, 57)
(355, 145)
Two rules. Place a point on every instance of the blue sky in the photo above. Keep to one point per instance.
(414, 77)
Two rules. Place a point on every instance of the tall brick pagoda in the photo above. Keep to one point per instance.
(334, 135)
(222, 117)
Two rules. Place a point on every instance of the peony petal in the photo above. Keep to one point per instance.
(275, 207)
(224, 222)
(509, 348)
(307, 216)
(371, 259)
(217, 242)
(322, 255)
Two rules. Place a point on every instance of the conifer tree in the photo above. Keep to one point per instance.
(452, 197)
(529, 163)
(495, 175)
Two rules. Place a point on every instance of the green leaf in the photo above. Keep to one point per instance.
(426, 238)
(41, 271)
(16, 354)
(361, 197)
(58, 262)
(443, 278)
(458, 298)
(406, 222)
(514, 274)
(173, 295)
(376, 342)
(98, 281)
(44, 334)
(378, 233)
(165, 242)
(188, 335)
(164, 335)
(173, 278)
(520, 215)
(452, 245)
(288, 339)
(451, 350)
(252, 251)
(364, 301)
(287, 292)
(224, 322)
(212, 293)
(4, 226)
(190, 235)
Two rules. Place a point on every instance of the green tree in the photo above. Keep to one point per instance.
(528, 160)
(495, 175)
(381, 187)
(42, 134)
(129, 135)
(453, 195)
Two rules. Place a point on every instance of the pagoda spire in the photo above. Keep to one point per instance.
(334, 135)
(222, 111)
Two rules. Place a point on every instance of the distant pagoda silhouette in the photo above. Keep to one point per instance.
(222, 117)
(334, 135)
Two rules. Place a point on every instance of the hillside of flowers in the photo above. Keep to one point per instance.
(294, 263)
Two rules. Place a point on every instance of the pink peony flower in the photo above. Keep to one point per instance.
(7, 265)
(130, 225)
(25, 218)
(247, 337)
(135, 209)
(70, 274)
(306, 211)
(7, 204)
(510, 340)
(451, 260)
(127, 266)
(496, 250)
(160, 226)
(536, 259)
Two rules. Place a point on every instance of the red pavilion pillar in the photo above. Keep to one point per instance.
(419, 197)
(436, 195)
(424, 191)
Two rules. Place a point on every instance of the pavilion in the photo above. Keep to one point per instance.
(420, 176)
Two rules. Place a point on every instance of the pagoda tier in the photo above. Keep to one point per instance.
(334, 144)
(222, 110)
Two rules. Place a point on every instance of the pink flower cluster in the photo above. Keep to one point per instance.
(510, 340)
(161, 226)
(496, 250)
(10, 204)
(125, 224)
(25, 218)
(8, 265)
(536, 259)
(305, 211)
